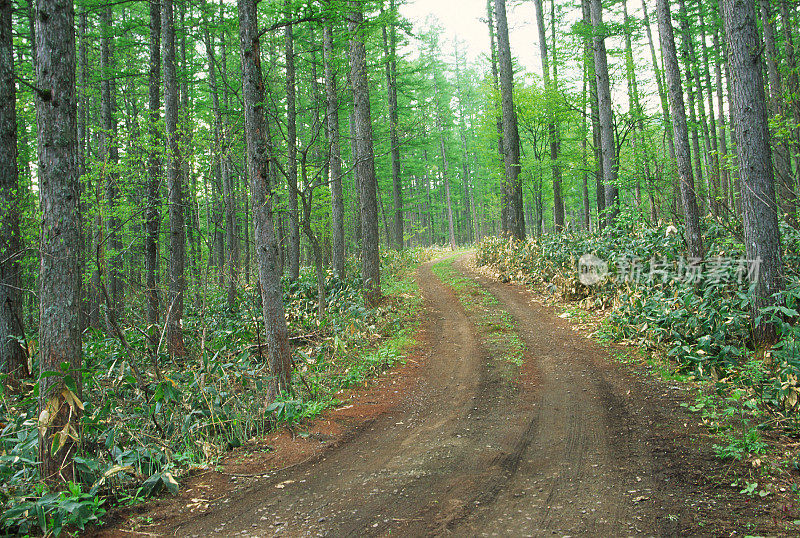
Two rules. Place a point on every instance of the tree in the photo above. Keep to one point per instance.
(59, 194)
(365, 156)
(152, 218)
(512, 185)
(680, 130)
(291, 141)
(332, 125)
(751, 128)
(552, 127)
(389, 51)
(12, 354)
(607, 146)
(258, 165)
(177, 242)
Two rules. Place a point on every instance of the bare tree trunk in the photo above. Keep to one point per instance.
(587, 219)
(469, 197)
(219, 199)
(680, 130)
(59, 334)
(760, 212)
(694, 99)
(713, 157)
(332, 124)
(258, 163)
(177, 243)
(153, 218)
(638, 140)
(662, 92)
(552, 128)
(12, 355)
(365, 163)
(188, 183)
(512, 186)
(83, 118)
(499, 121)
(389, 50)
(607, 146)
(291, 141)
(600, 194)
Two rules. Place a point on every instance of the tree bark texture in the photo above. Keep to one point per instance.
(680, 130)
(60, 279)
(177, 238)
(607, 147)
(365, 161)
(12, 354)
(512, 185)
(258, 164)
(751, 128)
(332, 124)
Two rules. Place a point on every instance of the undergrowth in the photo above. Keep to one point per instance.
(136, 443)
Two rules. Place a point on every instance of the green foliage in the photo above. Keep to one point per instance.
(52, 512)
(702, 324)
(138, 443)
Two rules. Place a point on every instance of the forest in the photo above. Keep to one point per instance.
(211, 213)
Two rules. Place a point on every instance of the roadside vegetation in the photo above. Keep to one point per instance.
(141, 436)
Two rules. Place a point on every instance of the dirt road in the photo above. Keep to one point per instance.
(575, 445)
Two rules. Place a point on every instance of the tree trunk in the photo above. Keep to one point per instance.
(291, 141)
(332, 124)
(552, 128)
(714, 154)
(177, 242)
(229, 184)
(662, 92)
(12, 354)
(608, 150)
(59, 334)
(680, 130)
(227, 262)
(587, 218)
(83, 118)
(600, 195)
(153, 217)
(365, 163)
(512, 186)
(693, 94)
(751, 128)
(389, 51)
(258, 162)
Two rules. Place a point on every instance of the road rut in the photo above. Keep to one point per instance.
(569, 446)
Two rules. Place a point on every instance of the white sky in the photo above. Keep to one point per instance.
(466, 19)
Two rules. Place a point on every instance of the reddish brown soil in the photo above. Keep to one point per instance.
(575, 445)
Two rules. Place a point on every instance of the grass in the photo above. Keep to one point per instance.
(495, 325)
